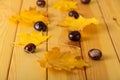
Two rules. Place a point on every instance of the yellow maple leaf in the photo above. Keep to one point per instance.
(77, 24)
(33, 37)
(30, 17)
(65, 5)
(61, 60)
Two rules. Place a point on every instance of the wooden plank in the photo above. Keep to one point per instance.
(60, 37)
(108, 68)
(25, 66)
(7, 34)
(111, 13)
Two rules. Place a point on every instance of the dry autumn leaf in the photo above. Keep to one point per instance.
(77, 24)
(61, 60)
(65, 5)
(30, 17)
(33, 37)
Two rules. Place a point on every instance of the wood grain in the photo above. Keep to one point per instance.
(25, 66)
(111, 14)
(98, 37)
(7, 34)
(59, 38)
(15, 64)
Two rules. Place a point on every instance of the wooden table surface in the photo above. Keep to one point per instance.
(15, 64)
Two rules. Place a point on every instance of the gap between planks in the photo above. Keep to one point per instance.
(81, 47)
(100, 8)
(14, 40)
(47, 42)
(78, 44)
